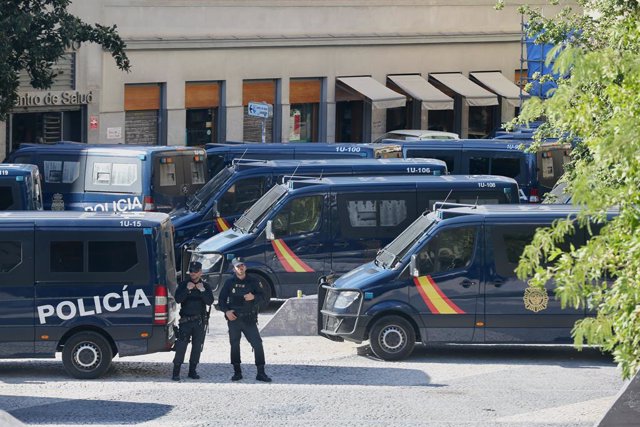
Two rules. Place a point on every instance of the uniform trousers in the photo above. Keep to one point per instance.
(245, 325)
(193, 331)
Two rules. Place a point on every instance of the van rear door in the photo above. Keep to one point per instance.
(176, 175)
(17, 307)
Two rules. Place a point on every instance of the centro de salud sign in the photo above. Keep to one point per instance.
(44, 99)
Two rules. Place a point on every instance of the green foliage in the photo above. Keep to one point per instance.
(598, 103)
(34, 34)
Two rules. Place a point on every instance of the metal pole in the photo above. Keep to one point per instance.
(264, 131)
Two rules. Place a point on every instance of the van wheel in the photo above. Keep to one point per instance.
(86, 355)
(268, 292)
(392, 338)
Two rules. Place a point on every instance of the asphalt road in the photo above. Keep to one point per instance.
(318, 382)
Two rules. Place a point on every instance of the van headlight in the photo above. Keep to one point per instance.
(208, 261)
(345, 299)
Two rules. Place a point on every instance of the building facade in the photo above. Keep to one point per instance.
(344, 71)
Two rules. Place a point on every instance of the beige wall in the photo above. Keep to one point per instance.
(171, 42)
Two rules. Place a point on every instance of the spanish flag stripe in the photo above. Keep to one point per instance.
(431, 307)
(222, 224)
(287, 257)
(435, 299)
(287, 267)
(446, 299)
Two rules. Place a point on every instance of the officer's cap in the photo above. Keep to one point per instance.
(237, 261)
(195, 267)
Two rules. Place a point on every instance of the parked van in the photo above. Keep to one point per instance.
(235, 188)
(90, 285)
(449, 277)
(115, 178)
(304, 229)
(20, 188)
(536, 173)
(220, 155)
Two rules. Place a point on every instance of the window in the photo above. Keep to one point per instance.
(505, 166)
(479, 166)
(113, 174)
(304, 97)
(168, 174)
(450, 249)
(381, 215)
(300, 216)
(56, 171)
(197, 172)
(10, 255)
(66, 257)
(241, 195)
(6, 197)
(112, 257)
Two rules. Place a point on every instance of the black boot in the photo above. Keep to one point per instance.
(192, 371)
(237, 372)
(262, 376)
(176, 372)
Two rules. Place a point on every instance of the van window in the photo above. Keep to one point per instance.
(113, 175)
(66, 257)
(301, 215)
(59, 171)
(241, 195)
(167, 174)
(112, 256)
(6, 197)
(383, 215)
(450, 249)
(503, 166)
(10, 255)
(197, 172)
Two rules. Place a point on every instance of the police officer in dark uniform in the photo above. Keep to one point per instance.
(240, 298)
(193, 295)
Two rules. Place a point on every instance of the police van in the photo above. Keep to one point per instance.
(449, 277)
(90, 285)
(221, 155)
(115, 178)
(535, 172)
(304, 229)
(20, 187)
(235, 188)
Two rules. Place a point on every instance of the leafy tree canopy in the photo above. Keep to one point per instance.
(599, 51)
(34, 34)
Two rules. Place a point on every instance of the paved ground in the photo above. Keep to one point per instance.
(318, 382)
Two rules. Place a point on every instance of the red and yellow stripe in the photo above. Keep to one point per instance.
(289, 260)
(221, 224)
(433, 296)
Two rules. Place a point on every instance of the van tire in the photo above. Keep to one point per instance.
(268, 290)
(86, 355)
(392, 338)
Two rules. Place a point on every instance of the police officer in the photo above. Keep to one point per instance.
(240, 298)
(193, 295)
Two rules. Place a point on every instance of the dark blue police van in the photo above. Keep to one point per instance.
(20, 188)
(90, 285)
(221, 155)
(449, 277)
(115, 178)
(305, 228)
(235, 188)
(535, 172)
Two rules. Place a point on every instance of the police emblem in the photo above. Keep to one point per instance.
(535, 299)
(57, 202)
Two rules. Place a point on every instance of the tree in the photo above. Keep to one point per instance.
(34, 34)
(598, 103)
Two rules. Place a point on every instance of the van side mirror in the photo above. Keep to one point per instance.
(413, 269)
(269, 231)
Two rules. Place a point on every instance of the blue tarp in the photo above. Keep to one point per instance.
(536, 63)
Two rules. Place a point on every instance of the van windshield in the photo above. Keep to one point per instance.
(199, 200)
(397, 249)
(255, 213)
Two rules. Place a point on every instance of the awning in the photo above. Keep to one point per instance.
(379, 95)
(475, 95)
(498, 83)
(422, 90)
